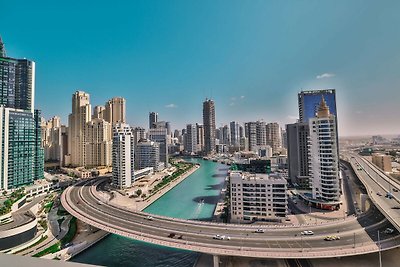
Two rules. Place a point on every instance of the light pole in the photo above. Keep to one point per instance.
(379, 250)
(301, 242)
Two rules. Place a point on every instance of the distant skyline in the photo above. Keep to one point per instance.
(251, 57)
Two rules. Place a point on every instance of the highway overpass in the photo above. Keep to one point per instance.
(278, 241)
(378, 184)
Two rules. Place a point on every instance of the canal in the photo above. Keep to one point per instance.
(193, 198)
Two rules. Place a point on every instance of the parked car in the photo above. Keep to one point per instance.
(150, 218)
(395, 190)
(307, 233)
(379, 194)
(259, 230)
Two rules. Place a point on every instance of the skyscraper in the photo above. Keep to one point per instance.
(98, 143)
(274, 136)
(190, 144)
(297, 144)
(309, 101)
(234, 134)
(81, 114)
(22, 157)
(323, 157)
(160, 136)
(115, 110)
(200, 137)
(209, 126)
(153, 118)
(250, 132)
(123, 160)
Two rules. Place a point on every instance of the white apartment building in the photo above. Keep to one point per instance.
(191, 139)
(257, 197)
(323, 157)
(123, 156)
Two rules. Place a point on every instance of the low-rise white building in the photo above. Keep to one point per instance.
(257, 197)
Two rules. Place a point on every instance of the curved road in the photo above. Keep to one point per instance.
(83, 201)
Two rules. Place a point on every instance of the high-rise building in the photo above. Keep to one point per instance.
(250, 132)
(98, 143)
(324, 158)
(22, 156)
(147, 155)
(51, 139)
(160, 136)
(190, 144)
(234, 134)
(309, 101)
(297, 146)
(77, 120)
(99, 112)
(139, 133)
(115, 110)
(153, 118)
(274, 136)
(209, 126)
(200, 137)
(123, 156)
(17, 84)
(261, 133)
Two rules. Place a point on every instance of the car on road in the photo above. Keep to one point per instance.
(389, 231)
(395, 190)
(307, 233)
(332, 238)
(221, 237)
(150, 218)
(171, 235)
(259, 230)
(379, 194)
(389, 195)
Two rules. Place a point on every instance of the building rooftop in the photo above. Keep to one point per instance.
(256, 176)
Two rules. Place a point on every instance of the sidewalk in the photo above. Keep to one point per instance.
(139, 205)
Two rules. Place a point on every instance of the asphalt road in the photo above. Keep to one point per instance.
(378, 185)
(81, 199)
(22, 216)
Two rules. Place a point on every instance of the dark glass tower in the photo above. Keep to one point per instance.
(309, 102)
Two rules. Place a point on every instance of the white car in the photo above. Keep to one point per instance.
(307, 233)
(221, 237)
(149, 218)
(259, 230)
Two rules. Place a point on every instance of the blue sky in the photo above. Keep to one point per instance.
(252, 57)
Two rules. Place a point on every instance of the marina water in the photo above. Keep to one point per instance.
(194, 198)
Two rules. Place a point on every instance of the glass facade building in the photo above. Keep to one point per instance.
(22, 156)
(309, 103)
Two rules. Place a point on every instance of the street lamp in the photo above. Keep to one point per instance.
(379, 250)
